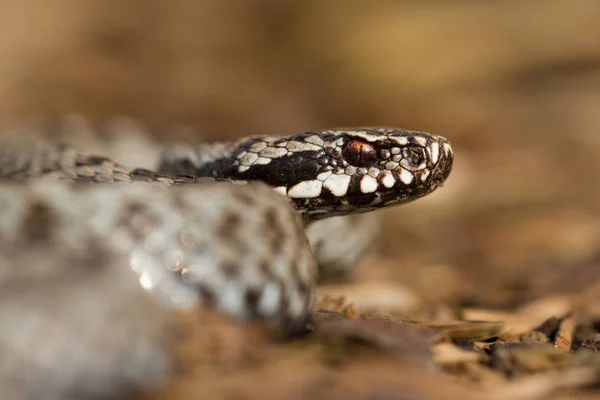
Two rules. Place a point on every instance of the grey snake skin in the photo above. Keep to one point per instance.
(220, 225)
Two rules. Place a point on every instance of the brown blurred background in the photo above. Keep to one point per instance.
(514, 84)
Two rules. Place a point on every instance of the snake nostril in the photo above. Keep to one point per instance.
(414, 158)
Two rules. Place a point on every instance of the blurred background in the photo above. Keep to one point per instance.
(514, 85)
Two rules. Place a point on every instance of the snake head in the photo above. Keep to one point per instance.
(343, 171)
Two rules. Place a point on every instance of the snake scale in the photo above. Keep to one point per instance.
(221, 225)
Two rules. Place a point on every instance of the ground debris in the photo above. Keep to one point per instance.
(398, 337)
(542, 350)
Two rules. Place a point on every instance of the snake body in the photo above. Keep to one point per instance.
(220, 225)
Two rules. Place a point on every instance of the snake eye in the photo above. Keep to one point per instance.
(359, 153)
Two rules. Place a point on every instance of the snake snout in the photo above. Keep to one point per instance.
(441, 158)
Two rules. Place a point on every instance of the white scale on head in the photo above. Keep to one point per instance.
(306, 189)
(368, 184)
(402, 140)
(262, 161)
(405, 176)
(337, 184)
(447, 149)
(421, 141)
(324, 175)
(294, 146)
(273, 152)
(374, 172)
(387, 179)
(434, 152)
(247, 158)
(315, 140)
(257, 147)
(364, 135)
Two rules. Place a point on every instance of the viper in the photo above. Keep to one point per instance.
(220, 225)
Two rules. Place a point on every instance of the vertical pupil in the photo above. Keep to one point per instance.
(361, 156)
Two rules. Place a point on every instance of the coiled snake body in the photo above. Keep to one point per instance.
(207, 226)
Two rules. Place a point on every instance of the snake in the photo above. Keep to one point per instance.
(219, 225)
